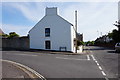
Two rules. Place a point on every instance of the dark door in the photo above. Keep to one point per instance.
(47, 45)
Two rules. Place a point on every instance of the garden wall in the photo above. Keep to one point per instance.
(19, 43)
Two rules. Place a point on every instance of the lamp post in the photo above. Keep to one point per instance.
(98, 33)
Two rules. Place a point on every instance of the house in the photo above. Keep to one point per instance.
(1, 33)
(53, 32)
(104, 38)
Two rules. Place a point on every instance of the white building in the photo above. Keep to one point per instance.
(53, 32)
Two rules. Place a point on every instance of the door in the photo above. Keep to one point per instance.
(47, 45)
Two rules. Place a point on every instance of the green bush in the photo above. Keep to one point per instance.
(13, 34)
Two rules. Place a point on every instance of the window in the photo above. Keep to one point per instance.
(118, 44)
(47, 45)
(47, 32)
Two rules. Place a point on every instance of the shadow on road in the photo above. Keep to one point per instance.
(112, 51)
(97, 48)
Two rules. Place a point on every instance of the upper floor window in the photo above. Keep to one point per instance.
(47, 32)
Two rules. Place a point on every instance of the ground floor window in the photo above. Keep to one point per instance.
(47, 45)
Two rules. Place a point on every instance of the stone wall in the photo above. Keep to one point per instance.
(19, 43)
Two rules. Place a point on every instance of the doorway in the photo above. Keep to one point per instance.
(47, 45)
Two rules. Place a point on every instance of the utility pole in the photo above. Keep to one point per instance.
(76, 31)
(101, 34)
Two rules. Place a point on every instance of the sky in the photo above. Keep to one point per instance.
(94, 18)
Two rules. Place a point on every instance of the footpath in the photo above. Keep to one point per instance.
(16, 71)
(11, 71)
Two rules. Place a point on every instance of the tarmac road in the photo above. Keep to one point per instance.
(62, 66)
(108, 59)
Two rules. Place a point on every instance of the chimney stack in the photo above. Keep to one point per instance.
(51, 11)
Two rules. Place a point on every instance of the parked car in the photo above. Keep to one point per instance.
(117, 47)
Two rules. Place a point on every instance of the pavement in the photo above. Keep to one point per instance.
(59, 52)
(11, 71)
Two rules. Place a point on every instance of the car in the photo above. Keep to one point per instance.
(117, 47)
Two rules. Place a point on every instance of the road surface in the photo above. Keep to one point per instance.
(98, 63)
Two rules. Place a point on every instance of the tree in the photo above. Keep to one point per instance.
(5, 35)
(80, 43)
(118, 25)
(13, 34)
(116, 33)
(110, 35)
(90, 43)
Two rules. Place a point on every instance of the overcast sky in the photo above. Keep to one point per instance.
(94, 18)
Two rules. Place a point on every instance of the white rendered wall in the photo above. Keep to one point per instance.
(60, 33)
(73, 36)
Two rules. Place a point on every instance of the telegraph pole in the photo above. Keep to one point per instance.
(76, 31)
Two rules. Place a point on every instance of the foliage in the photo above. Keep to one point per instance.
(118, 25)
(90, 43)
(110, 35)
(13, 34)
(5, 35)
(115, 35)
(80, 43)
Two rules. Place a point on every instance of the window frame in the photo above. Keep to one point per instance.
(47, 32)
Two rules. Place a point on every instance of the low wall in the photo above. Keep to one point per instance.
(19, 43)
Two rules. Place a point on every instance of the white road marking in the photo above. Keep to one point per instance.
(70, 58)
(88, 57)
(103, 73)
(24, 54)
(98, 64)
(96, 61)
(93, 57)
(100, 67)
(66, 55)
(106, 78)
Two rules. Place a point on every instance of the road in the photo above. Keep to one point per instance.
(108, 59)
(94, 64)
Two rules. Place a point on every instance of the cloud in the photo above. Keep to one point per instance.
(60, 0)
(32, 12)
(21, 30)
(92, 17)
